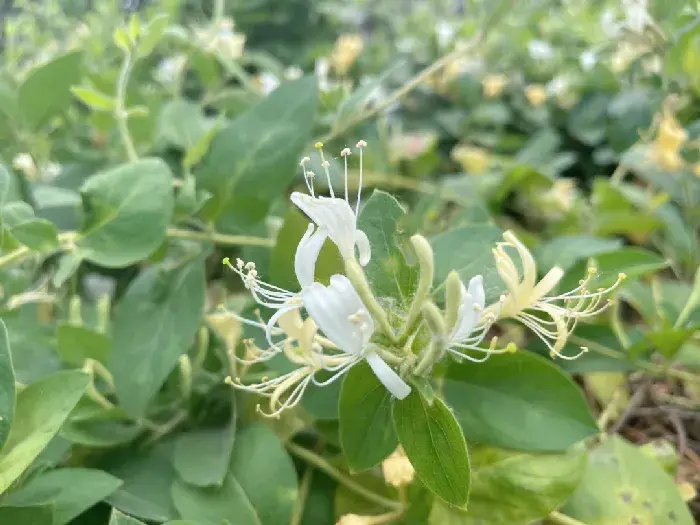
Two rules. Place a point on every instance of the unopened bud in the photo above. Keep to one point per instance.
(397, 468)
(433, 316)
(453, 298)
(354, 519)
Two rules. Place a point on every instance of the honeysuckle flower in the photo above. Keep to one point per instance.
(277, 298)
(397, 469)
(560, 197)
(536, 94)
(473, 160)
(220, 38)
(588, 59)
(333, 214)
(343, 318)
(551, 318)
(540, 50)
(266, 82)
(25, 163)
(472, 321)
(637, 16)
(445, 33)
(346, 50)
(170, 69)
(302, 346)
(670, 137)
(493, 85)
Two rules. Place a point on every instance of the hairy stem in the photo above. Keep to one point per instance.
(120, 113)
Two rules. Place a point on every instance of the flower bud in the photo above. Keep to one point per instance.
(453, 298)
(397, 469)
(433, 317)
(354, 519)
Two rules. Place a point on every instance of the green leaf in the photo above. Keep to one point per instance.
(634, 262)
(147, 478)
(38, 103)
(152, 34)
(78, 343)
(201, 456)
(38, 234)
(566, 250)
(154, 323)
(519, 401)
(265, 473)
(433, 442)
(366, 432)
(468, 251)
(623, 485)
(94, 99)
(117, 518)
(536, 485)
(255, 157)
(38, 515)
(70, 490)
(182, 124)
(7, 385)
(214, 506)
(587, 120)
(387, 270)
(282, 258)
(68, 264)
(100, 434)
(127, 210)
(41, 410)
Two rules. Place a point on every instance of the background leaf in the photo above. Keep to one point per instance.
(623, 485)
(7, 385)
(41, 410)
(255, 157)
(518, 401)
(154, 323)
(127, 210)
(70, 491)
(387, 270)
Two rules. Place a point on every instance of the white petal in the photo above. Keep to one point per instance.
(331, 308)
(307, 253)
(390, 379)
(333, 214)
(476, 290)
(363, 247)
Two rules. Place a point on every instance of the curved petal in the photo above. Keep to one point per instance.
(471, 309)
(339, 313)
(332, 214)
(363, 247)
(547, 284)
(529, 267)
(307, 253)
(273, 321)
(390, 379)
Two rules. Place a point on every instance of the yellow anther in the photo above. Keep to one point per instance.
(227, 261)
(318, 145)
(511, 347)
(622, 276)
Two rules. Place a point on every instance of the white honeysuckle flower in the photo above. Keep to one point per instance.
(302, 346)
(637, 16)
(540, 50)
(588, 59)
(268, 82)
(473, 323)
(551, 318)
(334, 214)
(340, 314)
(277, 298)
(445, 33)
(170, 69)
(609, 24)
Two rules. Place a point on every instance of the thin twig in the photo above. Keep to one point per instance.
(321, 464)
(562, 519)
(636, 400)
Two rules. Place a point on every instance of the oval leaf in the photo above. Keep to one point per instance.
(366, 432)
(127, 210)
(7, 385)
(518, 401)
(41, 410)
(434, 444)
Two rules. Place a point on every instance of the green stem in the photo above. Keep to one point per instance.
(120, 113)
(357, 277)
(321, 464)
(562, 519)
(220, 238)
(13, 256)
(302, 495)
(409, 86)
(655, 369)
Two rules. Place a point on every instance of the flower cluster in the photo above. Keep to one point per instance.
(324, 330)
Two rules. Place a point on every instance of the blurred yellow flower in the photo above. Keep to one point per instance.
(670, 137)
(561, 196)
(536, 94)
(473, 160)
(696, 169)
(346, 50)
(397, 469)
(494, 85)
